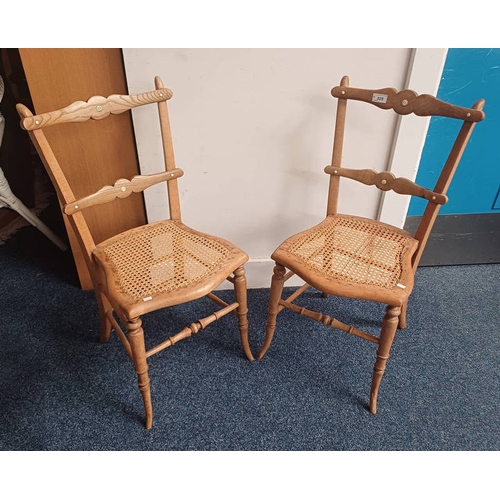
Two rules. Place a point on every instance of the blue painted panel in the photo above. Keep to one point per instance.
(468, 75)
(496, 206)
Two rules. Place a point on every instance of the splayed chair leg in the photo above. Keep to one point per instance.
(277, 283)
(136, 339)
(240, 291)
(389, 327)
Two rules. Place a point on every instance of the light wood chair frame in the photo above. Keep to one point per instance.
(111, 310)
(403, 102)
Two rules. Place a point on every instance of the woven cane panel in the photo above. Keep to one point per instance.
(354, 251)
(161, 258)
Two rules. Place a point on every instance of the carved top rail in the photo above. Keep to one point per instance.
(121, 189)
(408, 101)
(387, 181)
(96, 108)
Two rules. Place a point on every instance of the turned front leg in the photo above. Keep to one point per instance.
(277, 283)
(240, 291)
(389, 327)
(137, 344)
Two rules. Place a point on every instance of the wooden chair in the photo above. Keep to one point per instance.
(361, 258)
(149, 267)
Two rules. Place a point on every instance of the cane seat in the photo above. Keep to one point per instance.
(344, 253)
(163, 263)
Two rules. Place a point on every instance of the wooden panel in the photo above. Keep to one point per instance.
(462, 239)
(469, 73)
(496, 205)
(92, 154)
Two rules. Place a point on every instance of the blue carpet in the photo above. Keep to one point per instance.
(62, 390)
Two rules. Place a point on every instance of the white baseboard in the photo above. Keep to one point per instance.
(259, 273)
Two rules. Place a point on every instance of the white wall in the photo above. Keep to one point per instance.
(424, 74)
(252, 130)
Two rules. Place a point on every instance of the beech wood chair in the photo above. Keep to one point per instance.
(150, 267)
(361, 258)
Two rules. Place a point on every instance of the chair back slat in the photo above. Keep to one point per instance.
(96, 108)
(121, 189)
(407, 101)
(387, 181)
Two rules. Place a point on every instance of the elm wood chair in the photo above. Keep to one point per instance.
(360, 258)
(150, 267)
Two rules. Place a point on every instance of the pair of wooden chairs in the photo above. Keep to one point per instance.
(167, 263)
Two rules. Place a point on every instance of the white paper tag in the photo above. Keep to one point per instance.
(147, 298)
(400, 285)
(379, 98)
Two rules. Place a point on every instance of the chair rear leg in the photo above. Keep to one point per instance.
(240, 291)
(104, 323)
(277, 283)
(389, 327)
(137, 344)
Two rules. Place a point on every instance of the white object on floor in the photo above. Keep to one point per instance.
(9, 199)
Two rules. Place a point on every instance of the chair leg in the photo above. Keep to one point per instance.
(277, 283)
(240, 291)
(389, 327)
(104, 308)
(136, 339)
(402, 316)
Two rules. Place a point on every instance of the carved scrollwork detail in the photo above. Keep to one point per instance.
(121, 189)
(408, 101)
(96, 108)
(387, 181)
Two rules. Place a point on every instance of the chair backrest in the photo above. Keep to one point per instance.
(403, 102)
(98, 108)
